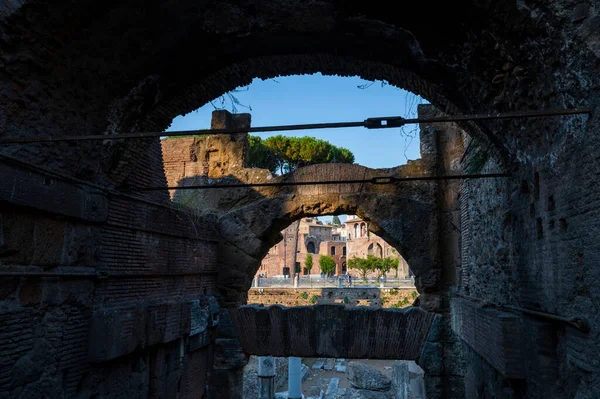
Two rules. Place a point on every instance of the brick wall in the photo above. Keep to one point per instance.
(115, 284)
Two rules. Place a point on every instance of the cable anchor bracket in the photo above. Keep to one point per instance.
(384, 122)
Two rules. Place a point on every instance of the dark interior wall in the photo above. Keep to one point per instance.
(101, 67)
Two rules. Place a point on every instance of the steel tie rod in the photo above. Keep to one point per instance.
(370, 123)
(375, 180)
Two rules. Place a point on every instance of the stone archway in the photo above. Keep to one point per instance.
(502, 55)
(249, 221)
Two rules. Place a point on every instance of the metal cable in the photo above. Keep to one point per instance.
(370, 123)
(374, 180)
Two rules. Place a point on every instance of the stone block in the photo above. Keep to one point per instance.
(362, 376)
(496, 336)
(329, 331)
(60, 197)
(116, 332)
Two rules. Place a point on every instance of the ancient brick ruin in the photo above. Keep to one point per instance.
(109, 292)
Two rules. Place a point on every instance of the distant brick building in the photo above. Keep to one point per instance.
(343, 242)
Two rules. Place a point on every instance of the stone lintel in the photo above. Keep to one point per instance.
(332, 331)
(117, 332)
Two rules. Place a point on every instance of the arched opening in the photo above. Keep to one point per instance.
(281, 208)
(505, 56)
(378, 250)
(310, 266)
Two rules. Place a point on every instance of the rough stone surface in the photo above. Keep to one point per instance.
(327, 330)
(529, 240)
(365, 377)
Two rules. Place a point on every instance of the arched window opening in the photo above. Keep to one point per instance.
(363, 229)
(332, 250)
(378, 251)
(310, 248)
(344, 251)
(370, 250)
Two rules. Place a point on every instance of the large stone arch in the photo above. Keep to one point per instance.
(101, 67)
(250, 220)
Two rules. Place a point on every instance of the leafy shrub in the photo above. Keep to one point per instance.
(304, 295)
(313, 299)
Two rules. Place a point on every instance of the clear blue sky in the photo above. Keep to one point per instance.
(317, 98)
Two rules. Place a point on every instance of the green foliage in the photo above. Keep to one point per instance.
(402, 303)
(361, 265)
(346, 299)
(313, 299)
(336, 220)
(304, 295)
(308, 262)
(327, 264)
(413, 294)
(373, 263)
(259, 155)
(285, 154)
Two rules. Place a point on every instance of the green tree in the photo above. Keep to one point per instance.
(362, 265)
(308, 262)
(327, 264)
(336, 220)
(285, 154)
(386, 264)
(259, 155)
(394, 264)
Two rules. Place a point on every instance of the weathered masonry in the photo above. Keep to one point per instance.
(106, 293)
